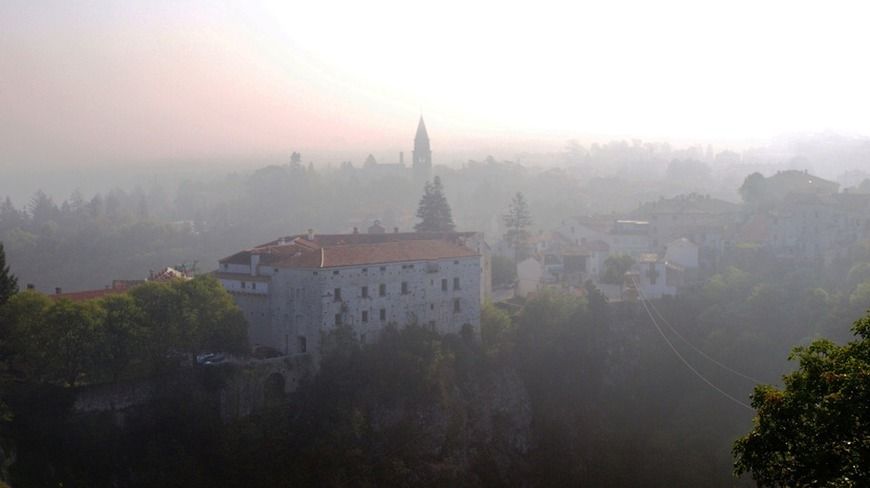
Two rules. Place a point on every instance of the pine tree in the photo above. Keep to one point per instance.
(8, 281)
(434, 211)
(517, 221)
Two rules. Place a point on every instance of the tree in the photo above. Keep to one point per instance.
(190, 317)
(752, 190)
(517, 221)
(434, 211)
(615, 268)
(815, 431)
(504, 270)
(42, 208)
(122, 334)
(8, 281)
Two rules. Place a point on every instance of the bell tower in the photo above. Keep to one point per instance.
(422, 155)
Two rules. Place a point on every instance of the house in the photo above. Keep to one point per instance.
(295, 289)
(530, 276)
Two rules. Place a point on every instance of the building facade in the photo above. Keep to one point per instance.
(296, 288)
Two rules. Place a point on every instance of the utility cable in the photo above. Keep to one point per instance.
(696, 349)
(684, 361)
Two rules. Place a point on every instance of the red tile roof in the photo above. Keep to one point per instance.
(335, 250)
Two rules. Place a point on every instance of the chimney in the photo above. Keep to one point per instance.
(255, 261)
(310, 234)
(30, 286)
(58, 291)
(356, 230)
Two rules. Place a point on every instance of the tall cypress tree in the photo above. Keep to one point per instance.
(8, 281)
(434, 211)
(517, 221)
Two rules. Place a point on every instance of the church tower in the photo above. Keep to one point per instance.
(422, 153)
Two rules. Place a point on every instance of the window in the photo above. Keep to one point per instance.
(365, 316)
(337, 295)
(455, 283)
(337, 319)
(303, 344)
(365, 270)
(383, 268)
(404, 288)
(315, 273)
(335, 273)
(455, 262)
(456, 308)
(365, 292)
(444, 284)
(382, 290)
(244, 285)
(253, 286)
(362, 338)
(383, 314)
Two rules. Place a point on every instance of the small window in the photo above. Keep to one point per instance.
(244, 285)
(365, 292)
(444, 284)
(431, 306)
(404, 288)
(456, 283)
(303, 344)
(383, 314)
(226, 266)
(315, 273)
(337, 319)
(337, 295)
(365, 270)
(382, 290)
(383, 268)
(335, 272)
(456, 262)
(456, 308)
(254, 286)
(365, 316)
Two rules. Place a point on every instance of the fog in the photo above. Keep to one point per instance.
(458, 244)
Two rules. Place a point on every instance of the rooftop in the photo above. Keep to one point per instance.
(336, 250)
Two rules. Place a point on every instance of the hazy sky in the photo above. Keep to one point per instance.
(142, 80)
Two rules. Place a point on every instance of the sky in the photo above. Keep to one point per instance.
(136, 81)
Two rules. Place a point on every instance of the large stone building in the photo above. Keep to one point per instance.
(295, 288)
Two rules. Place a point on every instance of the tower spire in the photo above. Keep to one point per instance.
(422, 155)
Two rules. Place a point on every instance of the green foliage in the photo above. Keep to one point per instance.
(816, 430)
(434, 211)
(615, 267)
(8, 281)
(68, 343)
(496, 331)
(504, 270)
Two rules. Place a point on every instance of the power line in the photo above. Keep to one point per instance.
(684, 361)
(696, 349)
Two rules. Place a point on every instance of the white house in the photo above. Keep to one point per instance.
(530, 274)
(682, 252)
